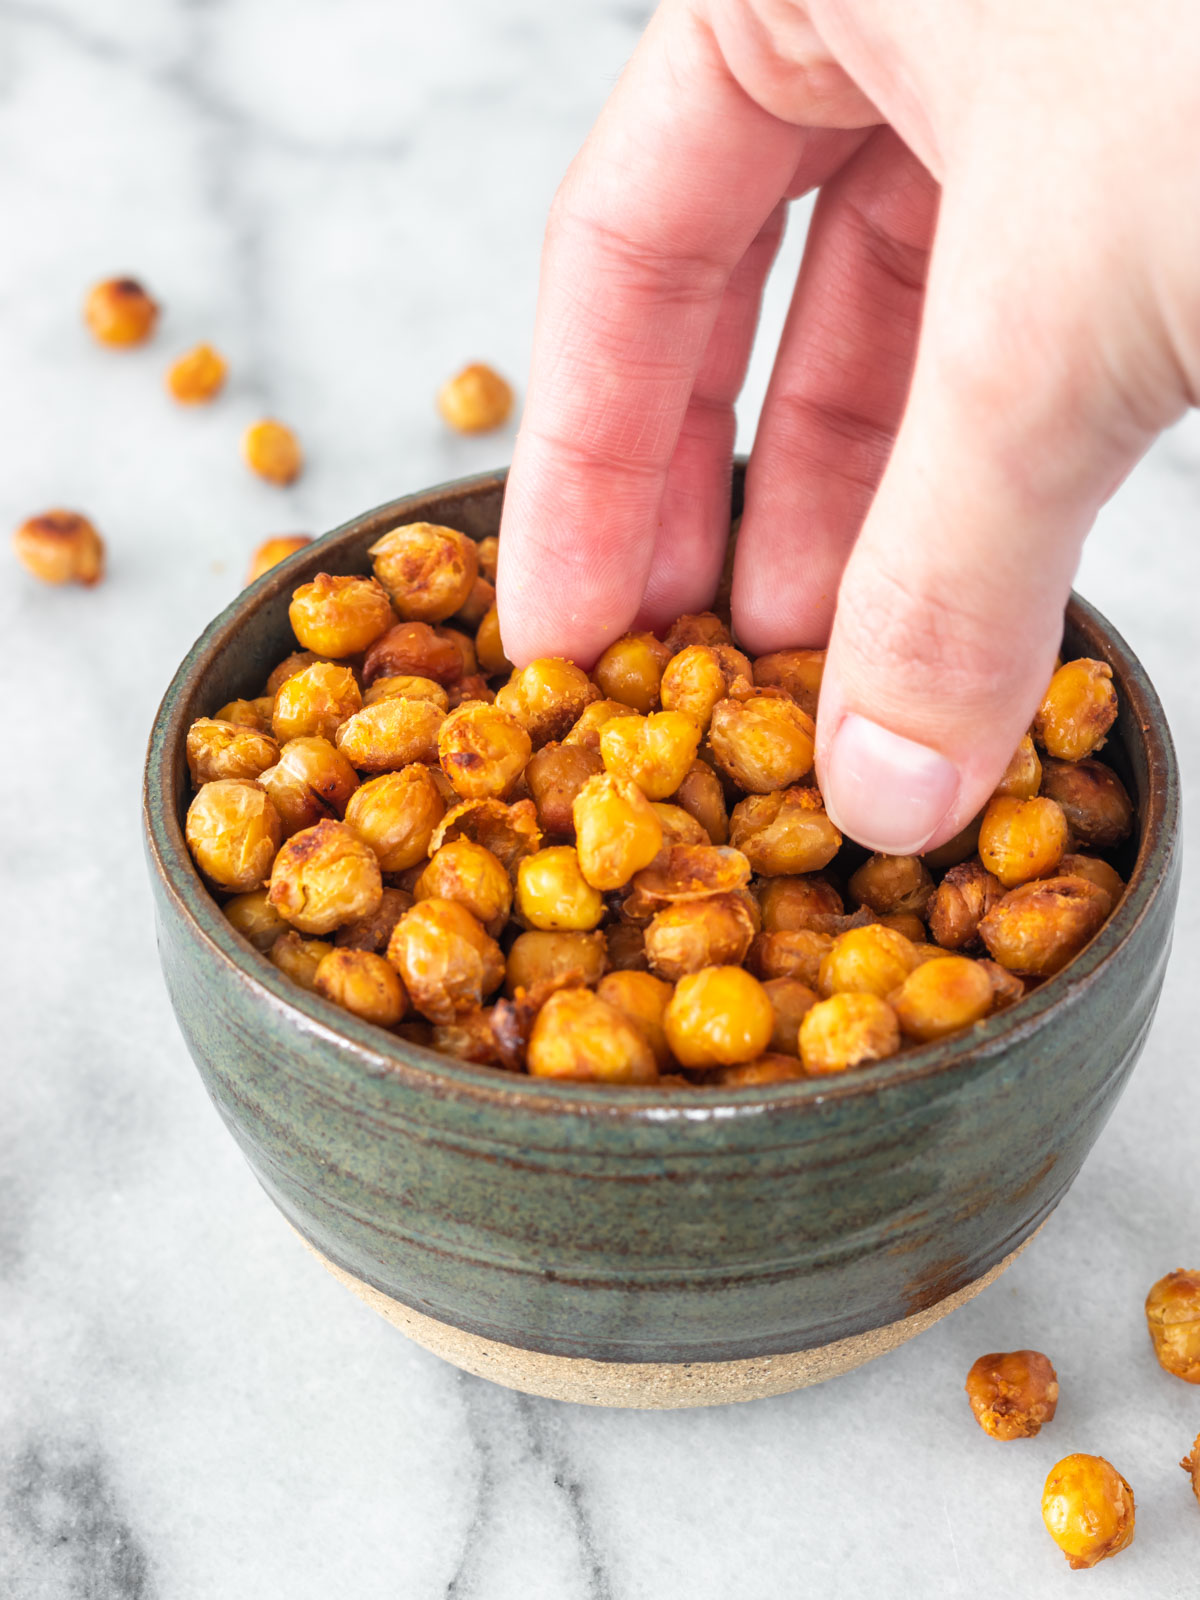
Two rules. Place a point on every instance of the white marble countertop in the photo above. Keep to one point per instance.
(348, 200)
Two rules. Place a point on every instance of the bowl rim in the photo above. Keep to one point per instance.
(368, 1059)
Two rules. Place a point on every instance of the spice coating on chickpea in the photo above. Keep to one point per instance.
(553, 894)
(272, 451)
(233, 831)
(700, 627)
(1173, 1318)
(847, 1030)
(272, 551)
(579, 1036)
(1012, 1393)
(548, 697)
(655, 752)
(427, 570)
(339, 616)
(785, 833)
(797, 671)
(324, 877)
(1036, 929)
(60, 547)
(363, 983)
(1078, 709)
(762, 743)
(631, 671)
(120, 312)
(718, 1017)
(227, 750)
(1088, 1509)
(447, 959)
(1020, 840)
(475, 400)
(616, 831)
(470, 874)
(391, 734)
(197, 376)
(482, 750)
(314, 702)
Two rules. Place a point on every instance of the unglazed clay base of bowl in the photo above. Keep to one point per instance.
(653, 1385)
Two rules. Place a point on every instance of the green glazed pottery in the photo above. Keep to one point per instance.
(649, 1247)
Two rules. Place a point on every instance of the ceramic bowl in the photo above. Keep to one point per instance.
(649, 1247)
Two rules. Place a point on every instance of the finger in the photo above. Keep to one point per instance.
(836, 393)
(679, 176)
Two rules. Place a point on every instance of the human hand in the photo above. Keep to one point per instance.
(997, 311)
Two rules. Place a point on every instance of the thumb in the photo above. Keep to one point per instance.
(950, 608)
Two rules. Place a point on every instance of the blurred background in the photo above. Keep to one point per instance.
(347, 200)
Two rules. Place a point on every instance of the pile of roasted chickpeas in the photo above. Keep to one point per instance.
(627, 876)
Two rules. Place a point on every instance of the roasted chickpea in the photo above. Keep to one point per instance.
(289, 667)
(1023, 775)
(391, 734)
(427, 570)
(616, 831)
(762, 743)
(374, 932)
(718, 1017)
(298, 959)
(413, 649)
(702, 627)
(324, 877)
(1097, 872)
(547, 698)
(797, 671)
(60, 547)
(1007, 988)
(888, 884)
(248, 713)
(488, 551)
(471, 875)
(1093, 799)
(1173, 1318)
(684, 938)
(476, 606)
(1020, 840)
(576, 1035)
(626, 947)
(942, 996)
(1087, 1507)
(475, 400)
(396, 815)
(643, 999)
(1012, 1394)
(847, 1030)
(119, 311)
(227, 750)
(790, 953)
(955, 850)
(678, 825)
(655, 752)
(489, 648)
(197, 376)
(255, 918)
(553, 894)
(272, 450)
(272, 551)
(690, 872)
(791, 1001)
(1036, 929)
(774, 1067)
(474, 687)
(787, 833)
(631, 671)
(233, 831)
(591, 720)
(339, 616)
(960, 902)
(539, 959)
(314, 702)
(702, 796)
(788, 903)
(447, 959)
(1079, 708)
(872, 960)
(310, 780)
(508, 831)
(696, 679)
(471, 1037)
(404, 686)
(483, 750)
(555, 775)
(364, 983)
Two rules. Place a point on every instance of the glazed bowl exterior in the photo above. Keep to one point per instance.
(648, 1226)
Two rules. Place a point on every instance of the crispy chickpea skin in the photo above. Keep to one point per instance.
(1020, 840)
(578, 1036)
(616, 831)
(120, 312)
(847, 1030)
(553, 894)
(271, 450)
(404, 686)
(414, 649)
(427, 570)
(685, 938)
(941, 997)
(785, 833)
(1173, 1318)
(693, 682)
(508, 831)
(255, 918)
(339, 616)
(60, 547)
(960, 902)
(788, 903)
(761, 742)
(272, 551)
(471, 875)
(489, 648)
(364, 983)
(475, 400)
(289, 667)
(548, 697)
(872, 960)
(310, 780)
(391, 734)
(655, 752)
(891, 883)
(374, 931)
(790, 953)
(298, 958)
(396, 814)
(482, 750)
(1093, 799)
(1095, 871)
(791, 1002)
(1012, 1393)
(1023, 774)
(797, 671)
(643, 999)
(324, 877)
(555, 775)
(631, 671)
(678, 825)
(699, 627)
(537, 958)
(233, 831)
(314, 702)
(1036, 929)
(447, 959)
(227, 750)
(702, 796)
(1078, 709)
(248, 713)
(197, 376)
(718, 1018)
(1088, 1510)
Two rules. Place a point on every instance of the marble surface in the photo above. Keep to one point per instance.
(348, 200)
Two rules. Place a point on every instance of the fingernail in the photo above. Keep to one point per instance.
(884, 791)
